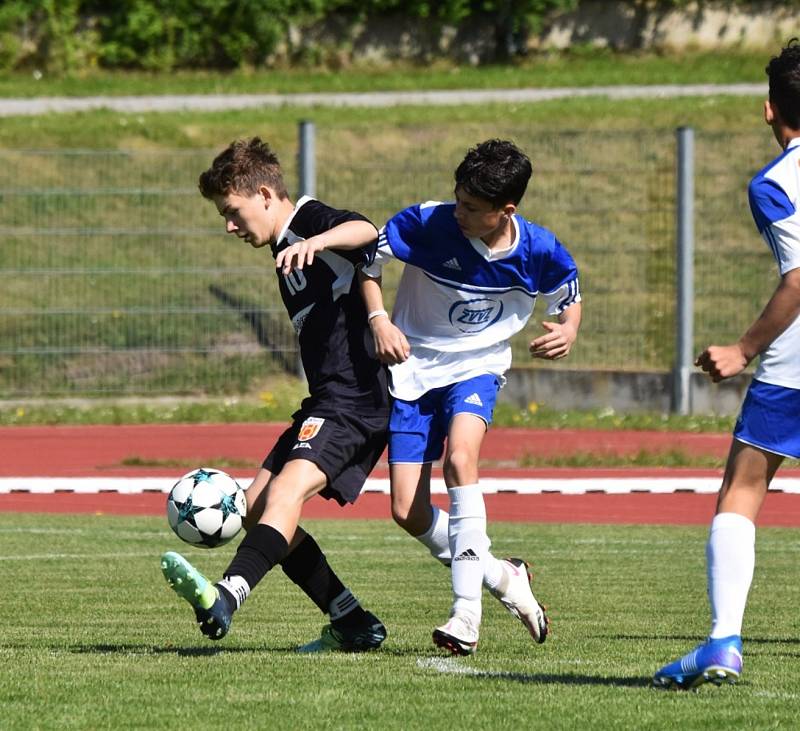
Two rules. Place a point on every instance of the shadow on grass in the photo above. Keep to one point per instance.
(564, 679)
(196, 651)
(696, 639)
(453, 666)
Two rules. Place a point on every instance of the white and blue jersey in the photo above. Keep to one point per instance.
(774, 195)
(770, 416)
(459, 302)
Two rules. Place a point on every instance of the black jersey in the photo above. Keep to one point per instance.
(328, 313)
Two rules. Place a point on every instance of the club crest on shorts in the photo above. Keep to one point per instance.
(310, 428)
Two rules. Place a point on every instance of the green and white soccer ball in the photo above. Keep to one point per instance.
(206, 508)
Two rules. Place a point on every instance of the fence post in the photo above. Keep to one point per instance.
(306, 159)
(307, 183)
(684, 313)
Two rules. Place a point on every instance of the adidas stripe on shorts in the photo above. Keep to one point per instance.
(417, 429)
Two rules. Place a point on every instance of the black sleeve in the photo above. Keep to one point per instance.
(315, 217)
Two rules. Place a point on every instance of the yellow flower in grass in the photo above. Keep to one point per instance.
(267, 398)
(533, 407)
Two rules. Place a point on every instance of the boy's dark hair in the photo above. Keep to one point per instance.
(784, 83)
(496, 171)
(241, 168)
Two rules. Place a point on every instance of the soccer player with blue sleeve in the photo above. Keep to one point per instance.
(768, 428)
(473, 271)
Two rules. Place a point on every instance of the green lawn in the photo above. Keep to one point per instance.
(581, 67)
(119, 279)
(280, 398)
(93, 638)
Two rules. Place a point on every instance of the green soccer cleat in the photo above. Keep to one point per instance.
(211, 610)
(367, 635)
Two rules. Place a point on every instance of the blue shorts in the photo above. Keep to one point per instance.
(417, 429)
(770, 419)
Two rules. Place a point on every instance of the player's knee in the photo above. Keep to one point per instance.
(409, 519)
(400, 515)
(460, 467)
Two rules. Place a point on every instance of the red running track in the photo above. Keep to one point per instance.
(77, 451)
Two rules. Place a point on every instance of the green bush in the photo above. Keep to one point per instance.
(73, 36)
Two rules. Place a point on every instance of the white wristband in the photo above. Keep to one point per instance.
(376, 313)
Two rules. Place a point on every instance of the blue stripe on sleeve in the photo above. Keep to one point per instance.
(559, 270)
(768, 202)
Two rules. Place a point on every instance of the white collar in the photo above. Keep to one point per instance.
(297, 206)
(495, 254)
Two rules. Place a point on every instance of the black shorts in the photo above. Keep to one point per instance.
(345, 444)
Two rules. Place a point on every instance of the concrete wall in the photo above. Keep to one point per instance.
(618, 24)
(562, 388)
(705, 25)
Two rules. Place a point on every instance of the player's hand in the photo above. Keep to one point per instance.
(722, 361)
(555, 343)
(298, 254)
(391, 345)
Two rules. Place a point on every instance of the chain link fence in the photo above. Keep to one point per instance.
(118, 277)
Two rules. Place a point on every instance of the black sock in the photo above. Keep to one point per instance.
(261, 549)
(307, 567)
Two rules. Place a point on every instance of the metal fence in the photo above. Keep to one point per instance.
(118, 278)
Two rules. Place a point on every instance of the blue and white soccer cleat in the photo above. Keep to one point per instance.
(715, 661)
(211, 610)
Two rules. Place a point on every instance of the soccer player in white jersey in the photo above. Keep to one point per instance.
(473, 270)
(768, 427)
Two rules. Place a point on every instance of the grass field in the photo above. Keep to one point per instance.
(282, 396)
(120, 280)
(93, 638)
(580, 67)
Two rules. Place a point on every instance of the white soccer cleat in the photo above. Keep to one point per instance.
(459, 635)
(515, 594)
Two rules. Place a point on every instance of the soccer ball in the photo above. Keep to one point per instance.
(206, 508)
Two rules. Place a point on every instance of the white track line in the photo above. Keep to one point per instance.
(521, 486)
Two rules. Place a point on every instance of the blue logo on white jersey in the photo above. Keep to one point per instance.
(473, 316)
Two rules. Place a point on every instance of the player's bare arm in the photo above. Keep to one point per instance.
(559, 337)
(347, 235)
(391, 345)
(726, 361)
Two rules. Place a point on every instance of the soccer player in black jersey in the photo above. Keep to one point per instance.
(339, 432)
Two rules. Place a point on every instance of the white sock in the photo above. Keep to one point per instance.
(469, 546)
(237, 587)
(730, 559)
(436, 540)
